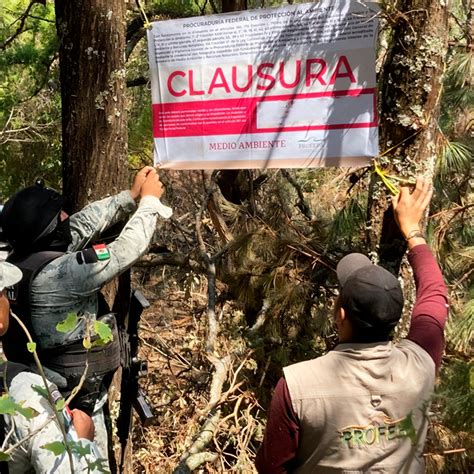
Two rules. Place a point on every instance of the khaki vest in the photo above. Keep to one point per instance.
(363, 408)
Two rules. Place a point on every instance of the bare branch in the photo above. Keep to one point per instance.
(302, 205)
(172, 259)
(22, 20)
(194, 456)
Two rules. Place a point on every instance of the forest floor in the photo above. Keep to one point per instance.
(173, 333)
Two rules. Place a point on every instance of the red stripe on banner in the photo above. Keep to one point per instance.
(238, 116)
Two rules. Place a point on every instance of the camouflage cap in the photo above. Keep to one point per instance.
(9, 275)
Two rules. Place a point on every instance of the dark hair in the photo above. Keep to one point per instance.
(361, 334)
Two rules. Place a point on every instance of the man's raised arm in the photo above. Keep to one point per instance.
(431, 307)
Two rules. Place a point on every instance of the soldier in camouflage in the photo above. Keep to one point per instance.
(69, 282)
(30, 434)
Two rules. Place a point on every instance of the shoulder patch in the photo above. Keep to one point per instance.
(101, 251)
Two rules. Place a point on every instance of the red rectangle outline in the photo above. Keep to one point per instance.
(310, 95)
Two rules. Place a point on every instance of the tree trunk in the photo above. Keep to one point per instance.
(94, 120)
(92, 74)
(233, 5)
(411, 85)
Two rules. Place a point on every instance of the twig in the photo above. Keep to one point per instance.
(50, 398)
(448, 451)
(302, 205)
(220, 375)
(76, 389)
(211, 276)
(172, 259)
(8, 435)
(11, 449)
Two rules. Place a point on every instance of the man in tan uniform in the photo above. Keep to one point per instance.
(363, 406)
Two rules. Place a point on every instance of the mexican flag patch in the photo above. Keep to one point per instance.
(101, 251)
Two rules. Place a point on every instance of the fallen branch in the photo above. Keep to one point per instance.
(194, 456)
(172, 259)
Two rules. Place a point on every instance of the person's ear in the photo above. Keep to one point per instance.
(342, 314)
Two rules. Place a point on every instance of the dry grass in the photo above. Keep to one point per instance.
(178, 383)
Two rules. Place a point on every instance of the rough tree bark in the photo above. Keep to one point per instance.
(411, 85)
(92, 73)
(94, 121)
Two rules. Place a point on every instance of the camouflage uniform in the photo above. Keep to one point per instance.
(30, 456)
(66, 286)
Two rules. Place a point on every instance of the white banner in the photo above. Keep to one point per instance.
(289, 87)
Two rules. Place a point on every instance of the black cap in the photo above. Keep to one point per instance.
(370, 294)
(30, 215)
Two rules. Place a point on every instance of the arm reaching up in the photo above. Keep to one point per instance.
(431, 307)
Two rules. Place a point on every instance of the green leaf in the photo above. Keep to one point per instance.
(31, 346)
(99, 464)
(4, 456)
(40, 390)
(78, 448)
(103, 331)
(60, 404)
(57, 447)
(68, 324)
(7, 405)
(27, 412)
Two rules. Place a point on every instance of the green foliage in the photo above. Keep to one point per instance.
(29, 97)
(68, 324)
(31, 346)
(60, 404)
(456, 392)
(100, 465)
(104, 332)
(4, 456)
(25, 63)
(347, 224)
(80, 449)
(455, 157)
(9, 407)
(56, 447)
(86, 342)
(40, 391)
(461, 328)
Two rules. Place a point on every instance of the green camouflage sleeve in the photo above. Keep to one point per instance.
(98, 216)
(43, 430)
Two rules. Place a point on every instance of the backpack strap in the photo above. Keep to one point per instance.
(14, 343)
